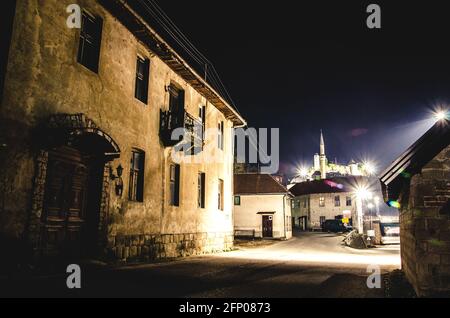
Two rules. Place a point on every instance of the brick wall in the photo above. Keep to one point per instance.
(425, 228)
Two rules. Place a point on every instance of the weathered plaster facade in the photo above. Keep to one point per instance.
(43, 79)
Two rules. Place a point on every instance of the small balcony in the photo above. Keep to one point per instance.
(193, 140)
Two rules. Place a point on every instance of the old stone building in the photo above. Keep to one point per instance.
(418, 183)
(85, 140)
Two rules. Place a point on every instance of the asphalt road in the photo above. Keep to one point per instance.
(309, 265)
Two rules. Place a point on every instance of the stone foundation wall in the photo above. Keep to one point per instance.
(425, 228)
(168, 246)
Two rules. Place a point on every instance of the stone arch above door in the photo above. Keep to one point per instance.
(61, 129)
(79, 131)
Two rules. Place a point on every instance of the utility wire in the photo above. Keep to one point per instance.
(211, 74)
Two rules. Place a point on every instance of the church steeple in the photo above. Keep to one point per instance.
(322, 144)
(323, 157)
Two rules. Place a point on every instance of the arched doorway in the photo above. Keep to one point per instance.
(71, 203)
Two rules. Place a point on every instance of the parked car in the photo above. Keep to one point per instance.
(335, 226)
(390, 233)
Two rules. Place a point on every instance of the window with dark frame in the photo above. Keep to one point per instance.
(220, 138)
(201, 190)
(142, 79)
(337, 201)
(90, 41)
(349, 201)
(202, 116)
(175, 185)
(322, 220)
(136, 190)
(176, 99)
(220, 196)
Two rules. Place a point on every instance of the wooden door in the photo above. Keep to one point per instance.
(65, 204)
(267, 226)
(303, 222)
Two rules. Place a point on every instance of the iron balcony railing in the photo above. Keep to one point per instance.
(194, 131)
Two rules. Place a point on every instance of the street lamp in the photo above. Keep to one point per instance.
(362, 194)
(303, 173)
(440, 115)
(370, 168)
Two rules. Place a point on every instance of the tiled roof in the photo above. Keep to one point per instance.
(257, 184)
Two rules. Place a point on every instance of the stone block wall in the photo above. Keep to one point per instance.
(425, 228)
(168, 246)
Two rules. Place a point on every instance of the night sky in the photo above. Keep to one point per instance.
(305, 67)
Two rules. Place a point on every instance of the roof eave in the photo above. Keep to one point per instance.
(148, 36)
(414, 159)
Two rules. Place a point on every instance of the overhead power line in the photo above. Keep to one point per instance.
(211, 75)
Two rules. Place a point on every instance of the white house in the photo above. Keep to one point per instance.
(262, 207)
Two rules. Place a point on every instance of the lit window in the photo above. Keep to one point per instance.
(322, 202)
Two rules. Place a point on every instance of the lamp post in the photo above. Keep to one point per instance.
(362, 194)
(359, 215)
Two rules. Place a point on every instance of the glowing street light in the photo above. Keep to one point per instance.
(303, 172)
(441, 115)
(370, 168)
(363, 193)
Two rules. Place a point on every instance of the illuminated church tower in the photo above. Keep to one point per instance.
(323, 158)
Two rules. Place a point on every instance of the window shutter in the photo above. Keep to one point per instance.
(203, 183)
(177, 185)
(140, 189)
